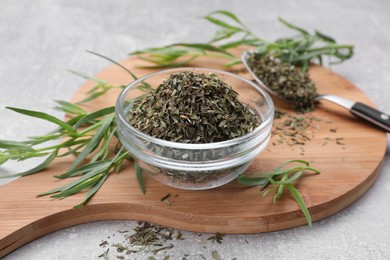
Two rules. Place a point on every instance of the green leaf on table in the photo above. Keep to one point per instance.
(164, 64)
(223, 34)
(204, 46)
(21, 146)
(227, 14)
(116, 63)
(69, 108)
(94, 115)
(95, 95)
(85, 76)
(290, 25)
(223, 24)
(44, 116)
(34, 140)
(325, 37)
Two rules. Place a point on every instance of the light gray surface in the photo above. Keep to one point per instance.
(39, 40)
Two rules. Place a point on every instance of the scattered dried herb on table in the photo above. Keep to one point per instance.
(148, 236)
(192, 108)
(152, 241)
(285, 80)
(217, 237)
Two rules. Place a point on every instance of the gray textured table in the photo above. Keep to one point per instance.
(39, 40)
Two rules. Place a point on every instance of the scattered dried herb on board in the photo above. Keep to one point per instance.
(297, 129)
(168, 199)
(285, 80)
(294, 128)
(192, 107)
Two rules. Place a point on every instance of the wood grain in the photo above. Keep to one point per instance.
(347, 172)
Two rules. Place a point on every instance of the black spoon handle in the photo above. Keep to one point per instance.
(372, 115)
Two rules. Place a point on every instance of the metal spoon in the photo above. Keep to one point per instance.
(376, 117)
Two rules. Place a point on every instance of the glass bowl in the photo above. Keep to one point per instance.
(196, 166)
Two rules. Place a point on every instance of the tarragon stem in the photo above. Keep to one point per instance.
(87, 136)
(300, 50)
(281, 179)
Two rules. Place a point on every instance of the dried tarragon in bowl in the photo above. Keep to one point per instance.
(196, 128)
(192, 108)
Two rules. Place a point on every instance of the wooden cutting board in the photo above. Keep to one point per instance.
(348, 169)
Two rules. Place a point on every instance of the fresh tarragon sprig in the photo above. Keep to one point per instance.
(280, 179)
(81, 136)
(301, 49)
(87, 136)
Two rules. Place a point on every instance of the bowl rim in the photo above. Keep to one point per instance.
(202, 146)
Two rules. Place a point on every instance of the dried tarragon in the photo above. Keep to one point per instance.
(192, 107)
(285, 80)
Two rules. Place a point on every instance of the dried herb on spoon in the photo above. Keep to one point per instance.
(285, 81)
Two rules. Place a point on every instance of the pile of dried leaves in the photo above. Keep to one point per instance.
(151, 241)
(192, 108)
(285, 80)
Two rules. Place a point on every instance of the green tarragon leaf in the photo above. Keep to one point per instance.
(69, 108)
(36, 169)
(21, 146)
(204, 46)
(280, 179)
(93, 143)
(228, 14)
(43, 116)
